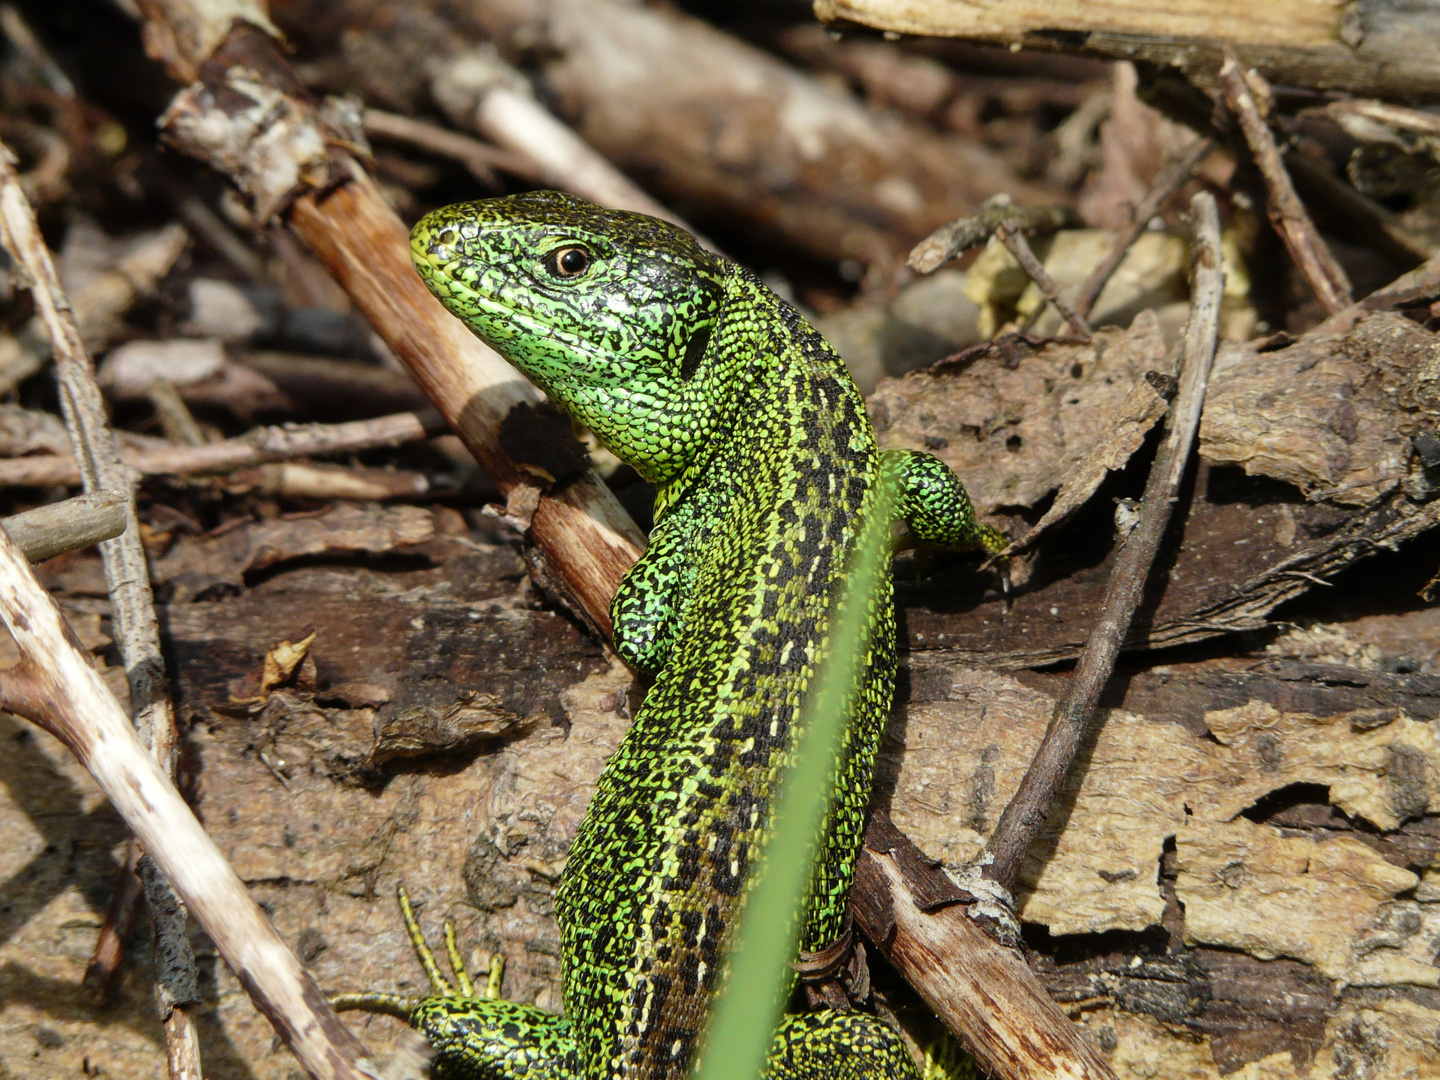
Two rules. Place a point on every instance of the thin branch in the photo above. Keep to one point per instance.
(127, 572)
(1287, 213)
(86, 519)
(950, 240)
(982, 990)
(57, 687)
(1025, 815)
(482, 159)
(1178, 169)
(1015, 243)
(255, 447)
(580, 529)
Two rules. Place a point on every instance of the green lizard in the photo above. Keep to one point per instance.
(686, 366)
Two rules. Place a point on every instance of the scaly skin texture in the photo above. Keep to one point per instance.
(710, 385)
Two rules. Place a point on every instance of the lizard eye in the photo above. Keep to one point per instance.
(568, 262)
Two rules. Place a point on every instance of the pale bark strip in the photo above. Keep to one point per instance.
(57, 687)
(1025, 814)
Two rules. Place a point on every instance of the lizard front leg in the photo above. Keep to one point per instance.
(932, 501)
(647, 608)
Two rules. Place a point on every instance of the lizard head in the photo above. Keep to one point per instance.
(609, 312)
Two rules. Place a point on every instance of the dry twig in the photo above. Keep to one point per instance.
(1026, 812)
(1169, 180)
(255, 447)
(1287, 212)
(982, 990)
(86, 519)
(1015, 243)
(959, 236)
(136, 632)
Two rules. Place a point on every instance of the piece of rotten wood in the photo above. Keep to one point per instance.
(74, 523)
(1287, 213)
(1025, 814)
(982, 990)
(578, 527)
(1370, 50)
(950, 240)
(257, 446)
(57, 687)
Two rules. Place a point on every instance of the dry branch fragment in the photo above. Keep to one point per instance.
(86, 519)
(1370, 49)
(1010, 235)
(950, 240)
(1171, 178)
(1025, 814)
(259, 445)
(982, 990)
(1287, 212)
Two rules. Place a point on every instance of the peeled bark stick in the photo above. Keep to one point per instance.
(256, 447)
(950, 240)
(482, 159)
(981, 990)
(86, 519)
(1379, 48)
(56, 686)
(1172, 176)
(479, 90)
(1025, 815)
(127, 571)
(1287, 212)
(246, 107)
(1014, 240)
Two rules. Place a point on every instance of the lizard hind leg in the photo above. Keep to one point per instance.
(832, 1045)
(476, 1036)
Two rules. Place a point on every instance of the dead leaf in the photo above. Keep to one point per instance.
(1012, 428)
(473, 719)
(1124, 433)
